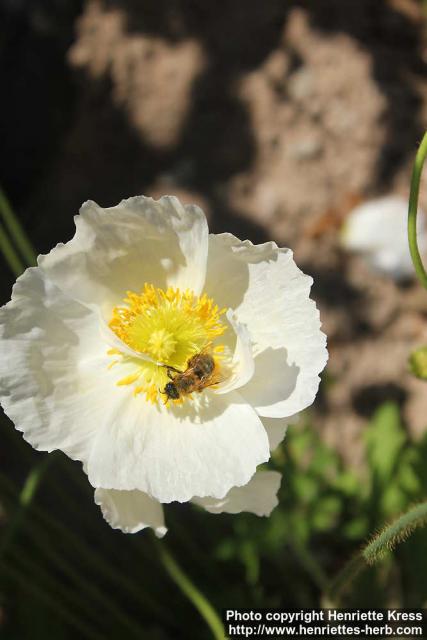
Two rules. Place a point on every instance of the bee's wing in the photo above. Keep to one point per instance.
(213, 379)
(188, 373)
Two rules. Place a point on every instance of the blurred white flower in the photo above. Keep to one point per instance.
(377, 230)
(95, 340)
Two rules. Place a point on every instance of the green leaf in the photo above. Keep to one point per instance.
(357, 528)
(385, 438)
(326, 512)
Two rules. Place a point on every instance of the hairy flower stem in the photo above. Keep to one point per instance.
(394, 533)
(184, 583)
(16, 231)
(385, 540)
(413, 210)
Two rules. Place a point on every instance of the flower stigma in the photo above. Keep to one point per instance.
(170, 327)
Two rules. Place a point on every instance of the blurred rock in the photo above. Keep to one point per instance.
(151, 79)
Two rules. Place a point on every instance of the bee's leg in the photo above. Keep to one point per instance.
(169, 369)
(166, 396)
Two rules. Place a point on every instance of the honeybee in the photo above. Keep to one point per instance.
(199, 374)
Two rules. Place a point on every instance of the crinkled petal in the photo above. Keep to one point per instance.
(131, 511)
(118, 249)
(259, 496)
(270, 295)
(53, 366)
(175, 453)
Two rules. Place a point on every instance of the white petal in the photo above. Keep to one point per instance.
(174, 453)
(53, 366)
(118, 249)
(259, 496)
(243, 363)
(131, 511)
(270, 295)
(278, 389)
(276, 429)
(229, 264)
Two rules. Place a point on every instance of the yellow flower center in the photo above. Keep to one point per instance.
(170, 327)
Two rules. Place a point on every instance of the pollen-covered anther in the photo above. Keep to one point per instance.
(170, 327)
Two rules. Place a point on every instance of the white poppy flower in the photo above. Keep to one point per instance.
(96, 343)
(377, 229)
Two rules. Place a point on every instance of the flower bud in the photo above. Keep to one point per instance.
(418, 363)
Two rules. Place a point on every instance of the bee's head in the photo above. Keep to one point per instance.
(171, 391)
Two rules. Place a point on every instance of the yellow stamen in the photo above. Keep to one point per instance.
(128, 380)
(170, 326)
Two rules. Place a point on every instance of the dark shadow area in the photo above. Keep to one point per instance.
(104, 160)
(38, 94)
(37, 99)
(368, 399)
(332, 288)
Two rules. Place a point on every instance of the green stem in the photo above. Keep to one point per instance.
(16, 231)
(10, 254)
(199, 601)
(413, 210)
